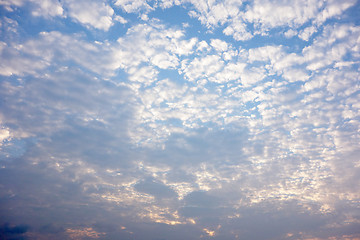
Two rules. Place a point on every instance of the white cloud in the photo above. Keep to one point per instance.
(145, 75)
(333, 8)
(219, 45)
(252, 76)
(202, 67)
(131, 6)
(92, 13)
(164, 61)
(4, 135)
(9, 3)
(169, 3)
(277, 61)
(266, 15)
(267, 53)
(51, 45)
(307, 32)
(184, 47)
(45, 8)
(97, 14)
(212, 13)
(332, 46)
(203, 46)
(293, 75)
(262, 13)
(231, 72)
(152, 43)
(14, 63)
(269, 14)
(290, 33)
(238, 30)
(287, 60)
(50, 8)
(120, 19)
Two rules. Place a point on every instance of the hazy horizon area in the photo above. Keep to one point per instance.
(179, 119)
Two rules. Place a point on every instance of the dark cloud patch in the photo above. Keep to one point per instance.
(156, 189)
(204, 144)
(180, 175)
(13, 232)
(154, 231)
(205, 208)
(71, 114)
(51, 228)
(268, 220)
(42, 105)
(203, 199)
(204, 214)
(45, 193)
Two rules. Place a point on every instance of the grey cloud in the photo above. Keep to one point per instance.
(156, 189)
(207, 145)
(68, 95)
(204, 215)
(266, 221)
(13, 232)
(201, 198)
(180, 175)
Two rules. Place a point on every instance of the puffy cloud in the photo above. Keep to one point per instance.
(219, 45)
(51, 45)
(214, 13)
(333, 45)
(290, 33)
(202, 67)
(93, 13)
(4, 134)
(16, 64)
(131, 6)
(152, 43)
(46, 8)
(50, 8)
(268, 14)
(96, 14)
(307, 32)
(238, 30)
(265, 15)
(333, 8)
(12, 2)
(120, 19)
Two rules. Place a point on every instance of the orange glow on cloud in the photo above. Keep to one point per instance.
(83, 232)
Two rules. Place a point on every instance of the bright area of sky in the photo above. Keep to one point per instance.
(179, 119)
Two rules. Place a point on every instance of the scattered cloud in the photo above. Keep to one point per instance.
(97, 14)
(126, 125)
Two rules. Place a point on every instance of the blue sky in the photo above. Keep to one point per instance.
(179, 119)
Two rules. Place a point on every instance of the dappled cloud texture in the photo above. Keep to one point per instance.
(179, 119)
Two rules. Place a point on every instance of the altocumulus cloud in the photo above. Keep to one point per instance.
(179, 119)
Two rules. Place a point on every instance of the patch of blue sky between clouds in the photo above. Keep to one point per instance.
(179, 119)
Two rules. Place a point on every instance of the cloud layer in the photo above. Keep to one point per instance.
(238, 121)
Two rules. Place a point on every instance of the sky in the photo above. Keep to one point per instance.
(180, 119)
